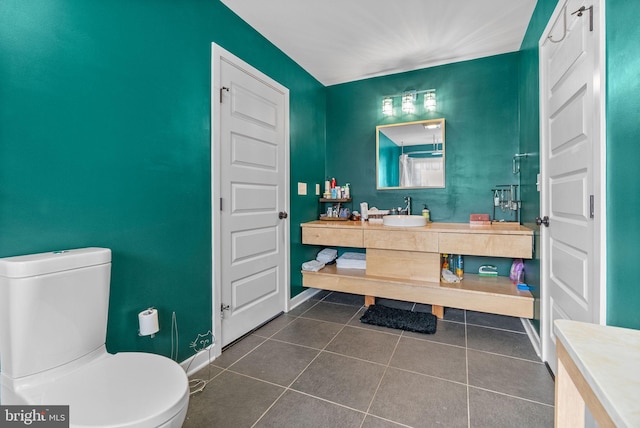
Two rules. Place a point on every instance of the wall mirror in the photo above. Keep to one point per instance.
(410, 155)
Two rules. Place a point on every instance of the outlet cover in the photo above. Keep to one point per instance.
(302, 188)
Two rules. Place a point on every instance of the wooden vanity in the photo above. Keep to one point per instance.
(403, 263)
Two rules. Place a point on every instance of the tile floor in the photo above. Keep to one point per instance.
(318, 366)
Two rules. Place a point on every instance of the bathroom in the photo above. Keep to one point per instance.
(105, 141)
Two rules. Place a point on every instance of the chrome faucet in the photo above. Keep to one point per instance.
(407, 200)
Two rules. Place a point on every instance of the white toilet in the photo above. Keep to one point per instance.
(53, 324)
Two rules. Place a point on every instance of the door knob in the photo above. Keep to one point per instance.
(544, 220)
(282, 214)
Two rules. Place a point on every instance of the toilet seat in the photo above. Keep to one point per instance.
(129, 389)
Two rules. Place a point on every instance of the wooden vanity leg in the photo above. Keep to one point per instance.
(369, 300)
(438, 311)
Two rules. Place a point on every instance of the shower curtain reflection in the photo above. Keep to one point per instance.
(420, 171)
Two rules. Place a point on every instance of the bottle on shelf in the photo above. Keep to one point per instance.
(426, 213)
(445, 261)
(460, 266)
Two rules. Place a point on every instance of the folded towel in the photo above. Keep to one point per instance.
(448, 276)
(352, 261)
(312, 266)
(327, 255)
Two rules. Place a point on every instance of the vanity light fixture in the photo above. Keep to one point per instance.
(408, 101)
(430, 100)
(387, 106)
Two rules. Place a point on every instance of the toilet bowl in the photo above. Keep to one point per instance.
(53, 310)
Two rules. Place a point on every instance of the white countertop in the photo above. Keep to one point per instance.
(609, 359)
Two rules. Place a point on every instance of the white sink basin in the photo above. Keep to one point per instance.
(404, 220)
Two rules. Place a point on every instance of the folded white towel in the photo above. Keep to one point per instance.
(327, 255)
(352, 261)
(312, 266)
(448, 276)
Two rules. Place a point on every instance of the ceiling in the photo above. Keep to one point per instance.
(340, 41)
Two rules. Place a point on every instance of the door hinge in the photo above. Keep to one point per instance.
(220, 204)
(592, 209)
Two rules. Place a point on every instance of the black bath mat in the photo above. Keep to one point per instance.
(420, 322)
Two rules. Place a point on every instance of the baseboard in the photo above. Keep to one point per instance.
(198, 361)
(533, 336)
(302, 297)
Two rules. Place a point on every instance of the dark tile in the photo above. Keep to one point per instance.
(332, 312)
(238, 350)
(276, 362)
(308, 332)
(375, 422)
(320, 295)
(430, 358)
(420, 401)
(520, 378)
(496, 321)
(450, 314)
(206, 373)
(341, 379)
(421, 307)
(488, 409)
(366, 344)
(230, 400)
(502, 342)
(302, 411)
(302, 308)
(398, 304)
(454, 314)
(345, 298)
(355, 322)
(451, 333)
(274, 326)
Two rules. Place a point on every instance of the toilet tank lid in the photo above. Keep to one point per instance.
(51, 262)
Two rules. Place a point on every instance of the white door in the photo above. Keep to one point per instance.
(250, 182)
(572, 194)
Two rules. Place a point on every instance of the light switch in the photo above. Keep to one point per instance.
(317, 189)
(302, 188)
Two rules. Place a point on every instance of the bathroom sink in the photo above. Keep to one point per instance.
(404, 220)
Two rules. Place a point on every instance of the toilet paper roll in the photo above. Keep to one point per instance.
(148, 321)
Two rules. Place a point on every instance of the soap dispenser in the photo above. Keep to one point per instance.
(426, 214)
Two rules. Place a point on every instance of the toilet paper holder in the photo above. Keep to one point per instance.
(148, 322)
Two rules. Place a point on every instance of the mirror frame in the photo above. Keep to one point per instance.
(421, 122)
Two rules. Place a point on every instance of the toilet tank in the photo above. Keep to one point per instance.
(53, 308)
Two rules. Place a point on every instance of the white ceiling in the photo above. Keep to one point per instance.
(340, 41)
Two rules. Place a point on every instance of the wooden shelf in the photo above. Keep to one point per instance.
(343, 200)
(496, 295)
(404, 261)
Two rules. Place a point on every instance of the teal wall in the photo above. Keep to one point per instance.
(479, 101)
(388, 165)
(623, 154)
(105, 141)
